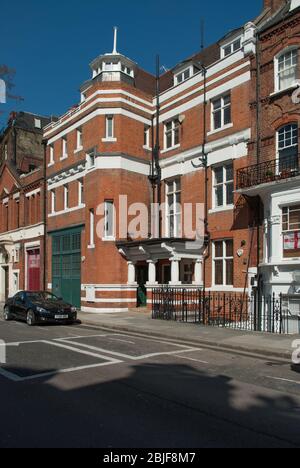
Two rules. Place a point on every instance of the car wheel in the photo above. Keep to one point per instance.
(6, 314)
(30, 318)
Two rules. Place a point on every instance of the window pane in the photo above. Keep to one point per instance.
(219, 196)
(229, 248)
(219, 175)
(227, 115)
(217, 104)
(176, 136)
(229, 172)
(237, 45)
(169, 140)
(229, 272)
(219, 249)
(227, 50)
(229, 194)
(219, 272)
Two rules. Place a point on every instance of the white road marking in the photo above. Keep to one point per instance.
(80, 351)
(16, 378)
(126, 356)
(283, 380)
(191, 359)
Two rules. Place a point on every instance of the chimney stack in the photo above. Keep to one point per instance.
(274, 5)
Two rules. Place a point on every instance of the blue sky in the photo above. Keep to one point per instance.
(50, 44)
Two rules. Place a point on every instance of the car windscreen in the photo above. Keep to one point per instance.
(42, 296)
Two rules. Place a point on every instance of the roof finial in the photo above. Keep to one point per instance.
(115, 40)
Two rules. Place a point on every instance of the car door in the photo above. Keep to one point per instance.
(20, 306)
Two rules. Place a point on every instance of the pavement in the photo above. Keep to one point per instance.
(141, 323)
(91, 387)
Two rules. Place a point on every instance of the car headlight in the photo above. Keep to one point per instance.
(41, 310)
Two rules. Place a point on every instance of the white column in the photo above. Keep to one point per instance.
(198, 274)
(151, 272)
(175, 271)
(131, 273)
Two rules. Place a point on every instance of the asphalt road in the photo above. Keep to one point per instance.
(80, 386)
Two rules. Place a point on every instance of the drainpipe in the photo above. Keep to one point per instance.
(45, 213)
(258, 153)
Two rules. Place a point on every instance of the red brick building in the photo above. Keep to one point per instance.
(271, 179)
(22, 185)
(102, 149)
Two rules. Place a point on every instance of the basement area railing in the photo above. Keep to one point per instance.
(271, 314)
(268, 171)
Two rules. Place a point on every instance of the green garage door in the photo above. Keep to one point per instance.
(66, 265)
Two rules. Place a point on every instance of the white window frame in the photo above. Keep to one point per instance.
(278, 149)
(109, 236)
(92, 228)
(180, 77)
(53, 201)
(224, 184)
(80, 190)
(224, 259)
(91, 160)
(37, 123)
(147, 137)
(175, 125)
(109, 138)
(51, 155)
(177, 214)
(66, 197)
(64, 148)
(231, 45)
(79, 140)
(222, 109)
(283, 53)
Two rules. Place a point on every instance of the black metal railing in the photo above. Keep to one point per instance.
(268, 171)
(228, 310)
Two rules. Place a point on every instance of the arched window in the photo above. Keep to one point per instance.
(286, 69)
(287, 138)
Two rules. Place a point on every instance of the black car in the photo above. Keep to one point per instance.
(39, 307)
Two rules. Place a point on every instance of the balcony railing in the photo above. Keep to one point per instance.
(268, 171)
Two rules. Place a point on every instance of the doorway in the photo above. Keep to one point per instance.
(141, 279)
(33, 270)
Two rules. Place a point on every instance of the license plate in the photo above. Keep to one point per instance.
(61, 317)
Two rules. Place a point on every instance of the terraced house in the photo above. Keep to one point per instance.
(271, 180)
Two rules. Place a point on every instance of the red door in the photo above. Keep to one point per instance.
(33, 270)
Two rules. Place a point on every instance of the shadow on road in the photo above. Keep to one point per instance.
(146, 405)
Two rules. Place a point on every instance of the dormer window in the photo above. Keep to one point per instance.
(232, 47)
(183, 75)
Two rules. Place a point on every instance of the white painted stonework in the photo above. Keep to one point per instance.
(278, 272)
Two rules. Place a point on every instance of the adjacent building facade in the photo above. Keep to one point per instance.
(21, 204)
(271, 181)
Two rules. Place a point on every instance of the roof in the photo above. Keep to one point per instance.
(284, 13)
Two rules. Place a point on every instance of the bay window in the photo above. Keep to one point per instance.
(291, 228)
